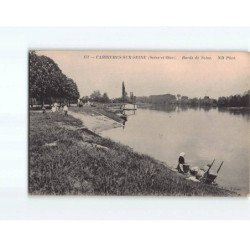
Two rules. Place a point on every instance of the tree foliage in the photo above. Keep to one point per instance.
(105, 97)
(230, 101)
(235, 100)
(124, 93)
(96, 96)
(46, 80)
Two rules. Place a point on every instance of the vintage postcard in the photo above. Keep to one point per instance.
(139, 123)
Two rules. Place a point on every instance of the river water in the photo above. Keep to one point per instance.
(203, 134)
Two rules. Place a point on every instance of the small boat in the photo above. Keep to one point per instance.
(123, 116)
(129, 106)
(209, 177)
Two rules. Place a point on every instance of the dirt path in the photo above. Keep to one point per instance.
(94, 122)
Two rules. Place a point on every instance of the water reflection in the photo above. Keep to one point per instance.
(203, 133)
(123, 123)
(166, 108)
(244, 112)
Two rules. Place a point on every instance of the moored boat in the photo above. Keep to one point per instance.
(129, 106)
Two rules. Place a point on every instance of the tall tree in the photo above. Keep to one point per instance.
(105, 97)
(124, 93)
(96, 96)
(47, 81)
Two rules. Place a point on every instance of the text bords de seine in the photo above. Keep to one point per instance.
(138, 57)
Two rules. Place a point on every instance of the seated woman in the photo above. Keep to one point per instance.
(181, 162)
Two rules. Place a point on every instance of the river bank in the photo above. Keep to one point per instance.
(67, 156)
(94, 120)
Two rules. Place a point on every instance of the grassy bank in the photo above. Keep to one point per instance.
(66, 159)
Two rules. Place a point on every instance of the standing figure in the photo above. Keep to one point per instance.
(53, 109)
(65, 109)
(43, 109)
(56, 106)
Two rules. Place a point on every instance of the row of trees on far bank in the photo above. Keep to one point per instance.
(235, 100)
(168, 99)
(47, 83)
(96, 96)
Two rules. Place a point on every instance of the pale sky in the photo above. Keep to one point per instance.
(146, 74)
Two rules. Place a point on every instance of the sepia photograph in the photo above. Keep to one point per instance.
(123, 124)
(138, 123)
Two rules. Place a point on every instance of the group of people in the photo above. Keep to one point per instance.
(57, 108)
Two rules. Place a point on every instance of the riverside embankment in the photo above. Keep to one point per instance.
(67, 156)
